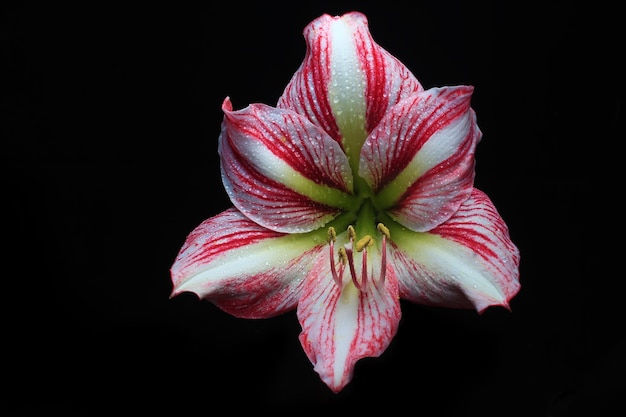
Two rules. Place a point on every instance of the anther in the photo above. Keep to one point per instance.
(332, 234)
(365, 242)
(382, 229)
(346, 256)
(351, 233)
(343, 257)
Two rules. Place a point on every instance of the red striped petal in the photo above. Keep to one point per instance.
(343, 325)
(245, 269)
(420, 159)
(469, 261)
(282, 171)
(346, 81)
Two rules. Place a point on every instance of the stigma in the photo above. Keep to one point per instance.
(346, 257)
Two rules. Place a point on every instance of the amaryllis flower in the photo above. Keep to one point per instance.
(354, 192)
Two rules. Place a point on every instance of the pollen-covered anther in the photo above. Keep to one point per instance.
(365, 242)
(332, 234)
(382, 229)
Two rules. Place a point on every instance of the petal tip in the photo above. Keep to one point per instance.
(227, 105)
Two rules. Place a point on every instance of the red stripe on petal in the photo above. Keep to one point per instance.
(267, 294)
(307, 91)
(439, 192)
(270, 158)
(268, 202)
(214, 237)
(423, 285)
(475, 264)
(478, 225)
(290, 137)
(333, 339)
(388, 81)
(406, 128)
(228, 231)
(240, 266)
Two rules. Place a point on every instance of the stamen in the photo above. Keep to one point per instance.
(346, 256)
(363, 243)
(350, 257)
(332, 235)
(363, 270)
(383, 262)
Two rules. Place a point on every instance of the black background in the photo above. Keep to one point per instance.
(110, 118)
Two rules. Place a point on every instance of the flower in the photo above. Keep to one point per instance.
(354, 192)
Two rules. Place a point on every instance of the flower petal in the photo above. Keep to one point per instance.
(468, 261)
(341, 326)
(347, 82)
(420, 159)
(282, 171)
(243, 268)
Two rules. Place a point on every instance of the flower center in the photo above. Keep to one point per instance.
(346, 256)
